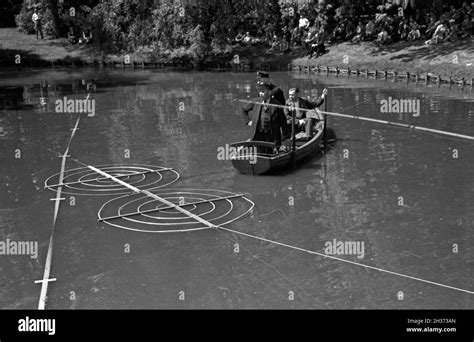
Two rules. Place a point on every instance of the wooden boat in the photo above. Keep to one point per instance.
(260, 162)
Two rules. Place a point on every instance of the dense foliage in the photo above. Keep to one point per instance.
(166, 27)
(173, 28)
(8, 8)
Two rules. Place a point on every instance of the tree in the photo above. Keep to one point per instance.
(8, 9)
(53, 7)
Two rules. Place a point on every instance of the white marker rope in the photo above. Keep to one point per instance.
(346, 261)
(49, 256)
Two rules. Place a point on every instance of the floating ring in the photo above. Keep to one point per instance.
(142, 213)
(84, 181)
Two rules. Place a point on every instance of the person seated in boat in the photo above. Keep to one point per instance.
(298, 107)
(268, 122)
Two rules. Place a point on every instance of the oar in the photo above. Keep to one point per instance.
(397, 124)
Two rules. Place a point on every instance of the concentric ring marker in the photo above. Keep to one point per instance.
(83, 181)
(141, 213)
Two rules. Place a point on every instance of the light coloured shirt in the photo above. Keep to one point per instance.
(35, 17)
(439, 30)
(295, 108)
(303, 23)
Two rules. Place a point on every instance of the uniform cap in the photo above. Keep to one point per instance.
(263, 74)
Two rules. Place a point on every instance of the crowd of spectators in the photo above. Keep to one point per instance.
(383, 24)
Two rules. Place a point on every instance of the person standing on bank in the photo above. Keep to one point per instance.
(294, 104)
(38, 26)
(268, 122)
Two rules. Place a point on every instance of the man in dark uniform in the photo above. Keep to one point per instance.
(275, 92)
(268, 122)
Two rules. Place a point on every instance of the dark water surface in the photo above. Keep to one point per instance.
(401, 192)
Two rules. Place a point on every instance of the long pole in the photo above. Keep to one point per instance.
(325, 125)
(49, 256)
(397, 124)
(293, 137)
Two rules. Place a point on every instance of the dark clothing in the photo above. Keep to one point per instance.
(264, 136)
(72, 37)
(265, 119)
(277, 94)
(38, 29)
(247, 108)
(317, 46)
(278, 98)
(268, 124)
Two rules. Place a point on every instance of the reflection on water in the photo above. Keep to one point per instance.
(402, 192)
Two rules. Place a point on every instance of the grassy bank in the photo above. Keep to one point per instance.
(35, 52)
(451, 59)
(455, 59)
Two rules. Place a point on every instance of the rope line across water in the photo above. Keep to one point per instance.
(346, 261)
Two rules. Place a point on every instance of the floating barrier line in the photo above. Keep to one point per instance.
(397, 124)
(283, 275)
(385, 74)
(47, 268)
(346, 261)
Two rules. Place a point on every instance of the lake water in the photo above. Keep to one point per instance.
(408, 196)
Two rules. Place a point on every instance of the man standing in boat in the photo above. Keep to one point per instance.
(298, 107)
(268, 122)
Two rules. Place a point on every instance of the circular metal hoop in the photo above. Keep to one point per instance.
(140, 213)
(83, 181)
